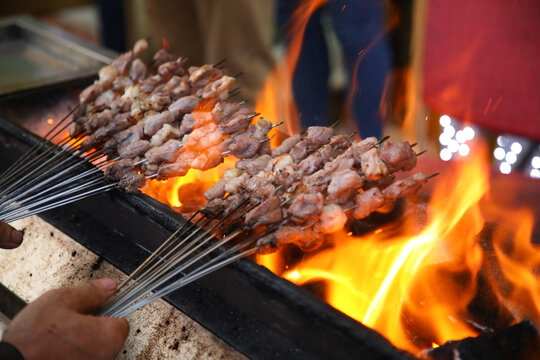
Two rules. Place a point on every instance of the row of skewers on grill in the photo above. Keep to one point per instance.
(138, 122)
(134, 122)
(162, 125)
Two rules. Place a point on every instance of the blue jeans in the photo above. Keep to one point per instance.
(357, 23)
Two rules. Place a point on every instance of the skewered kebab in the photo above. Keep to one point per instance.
(144, 132)
(337, 183)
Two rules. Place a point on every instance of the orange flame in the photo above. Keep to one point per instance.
(276, 101)
(416, 288)
(186, 193)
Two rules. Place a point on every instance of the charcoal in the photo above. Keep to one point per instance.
(520, 341)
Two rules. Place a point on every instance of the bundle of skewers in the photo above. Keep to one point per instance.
(135, 122)
(306, 189)
(139, 122)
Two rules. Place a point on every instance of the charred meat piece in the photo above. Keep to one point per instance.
(214, 207)
(316, 136)
(119, 123)
(107, 74)
(164, 153)
(372, 165)
(154, 122)
(161, 57)
(216, 191)
(75, 129)
(132, 181)
(234, 123)
(405, 187)
(312, 240)
(268, 212)
(286, 145)
(207, 160)
(245, 148)
(320, 134)
(166, 132)
(91, 92)
(398, 156)
(201, 76)
(150, 83)
(123, 62)
(255, 165)
(203, 138)
(382, 183)
(98, 120)
(306, 207)
(360, 147)
(234, 185)
(284, 235)
(332, 219)
(121, 104)
(183, 105)
(195, 120)
(158, 100)
(118, 169)
(170, 68)
(121, 83)
(126, 137)
(367, 202)
(219, 88)
(343, 183)
(136, 148)
(167, 171)
(105, 98)
(137, 71)
(223, 109)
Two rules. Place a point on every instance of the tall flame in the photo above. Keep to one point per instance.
(276, 101)
(417, 288)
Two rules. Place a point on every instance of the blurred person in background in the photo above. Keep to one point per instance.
(360, 29)
(208, 31)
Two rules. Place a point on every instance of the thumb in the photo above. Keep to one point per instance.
(9, 237)
(86, 297)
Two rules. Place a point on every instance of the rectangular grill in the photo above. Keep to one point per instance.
(258, 313)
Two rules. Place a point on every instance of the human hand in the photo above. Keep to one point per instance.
(9, 237)
(57, 325)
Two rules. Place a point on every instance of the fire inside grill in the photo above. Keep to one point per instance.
(298, 199)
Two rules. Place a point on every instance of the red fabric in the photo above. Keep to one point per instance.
(482, 63)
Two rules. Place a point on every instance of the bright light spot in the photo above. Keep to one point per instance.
(453, 146)
(444, 139)
(505, 168)
(449, 130)
(293, 275)
(535, 173)
(516, 147)
(502, 140)
(464, 150)
(469, 133)
(50, 121)
(510, 157)
(499, 153)
(445, 120)
(460, 136)
(445, 154)
(535, 162)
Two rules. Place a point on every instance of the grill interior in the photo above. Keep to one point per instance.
(258, 313)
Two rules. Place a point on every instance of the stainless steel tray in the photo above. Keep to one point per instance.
(34, 54)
